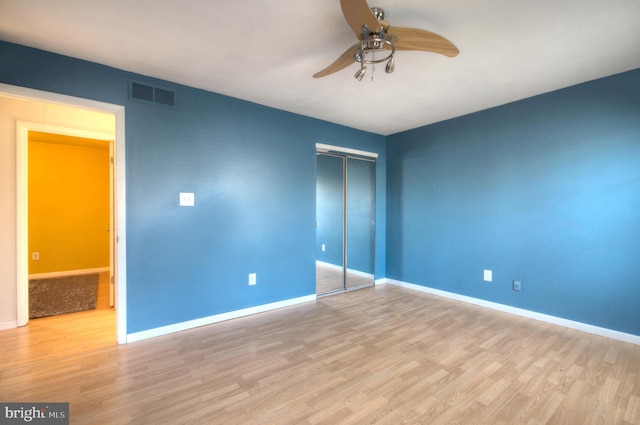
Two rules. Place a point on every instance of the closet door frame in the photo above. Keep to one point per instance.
(345, 154)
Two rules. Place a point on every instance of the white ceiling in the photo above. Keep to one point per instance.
(267, 51)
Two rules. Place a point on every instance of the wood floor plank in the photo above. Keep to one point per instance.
(383, 355)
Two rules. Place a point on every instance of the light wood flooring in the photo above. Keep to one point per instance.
(59, 336)
(383, 354)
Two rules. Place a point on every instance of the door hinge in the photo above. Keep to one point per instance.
(112, 280)
(111, 159)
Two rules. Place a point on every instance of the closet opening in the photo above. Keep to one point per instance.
(345, 219)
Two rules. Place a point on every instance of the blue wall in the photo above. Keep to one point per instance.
(545, 190)
(252, 169)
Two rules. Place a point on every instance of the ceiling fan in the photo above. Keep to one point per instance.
(379, 40)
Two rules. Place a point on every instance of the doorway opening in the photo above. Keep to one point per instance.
(70, 248)
(345, 219)
(70, 217)
(52, 113)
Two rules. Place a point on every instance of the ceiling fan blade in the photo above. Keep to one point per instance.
(357, 13)
(416, 39)
(342, 62)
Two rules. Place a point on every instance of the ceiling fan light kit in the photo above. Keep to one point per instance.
(371, 44)
(378, 37)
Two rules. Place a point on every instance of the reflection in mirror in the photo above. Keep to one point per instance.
(361, 176)
(329, 223)
(345, 222)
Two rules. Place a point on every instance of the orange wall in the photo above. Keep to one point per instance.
(68, 207)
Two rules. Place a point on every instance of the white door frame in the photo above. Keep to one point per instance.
(22, 128)
(112, 226)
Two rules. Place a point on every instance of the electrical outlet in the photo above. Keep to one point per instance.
(517, 285)
(187, 199)
(252, 279)
(488, 275)
(324, 248)
(35, 256)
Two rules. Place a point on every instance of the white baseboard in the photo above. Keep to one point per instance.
(177, 327)
(12, 324)
(68, 273)
(359, 273)
(339, 268)
(596, 330)
(331, 266)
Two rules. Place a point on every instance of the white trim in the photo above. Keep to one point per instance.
(121, 249)
(8, 325)
(584, 327)
(67, 131)
(329, 265)
(22, 235)
(340, 268)
(321, 147)
(68, 273)
(121, 228)
(177, 327)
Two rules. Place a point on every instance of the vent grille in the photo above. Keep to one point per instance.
(151, 94)
(165, 97)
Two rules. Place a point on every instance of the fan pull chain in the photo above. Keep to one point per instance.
(373, 65)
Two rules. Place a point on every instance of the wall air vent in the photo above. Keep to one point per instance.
(150, 94)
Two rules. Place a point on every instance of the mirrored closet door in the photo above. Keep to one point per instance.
(345, 220)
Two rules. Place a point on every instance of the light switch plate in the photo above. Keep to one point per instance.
(488, 275)
(187, 199)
